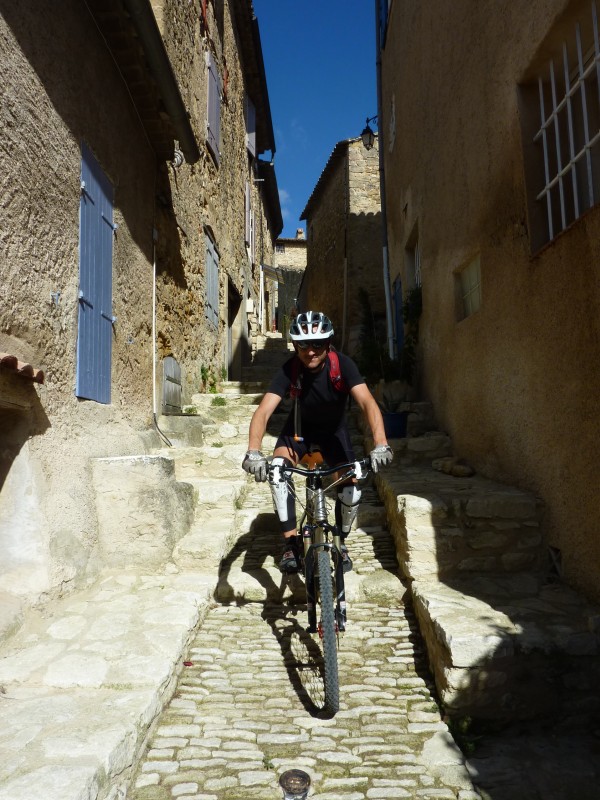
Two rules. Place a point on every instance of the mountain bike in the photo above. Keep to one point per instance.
(322, 563)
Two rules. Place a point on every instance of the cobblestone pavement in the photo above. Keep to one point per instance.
(247, 706)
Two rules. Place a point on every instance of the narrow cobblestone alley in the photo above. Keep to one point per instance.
(247, 704)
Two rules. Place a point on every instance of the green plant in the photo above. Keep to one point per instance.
(218, 401)
(217, 444)
(394, 399)
(223, 373)
(190, 410)
(464, 734)
(209, 379)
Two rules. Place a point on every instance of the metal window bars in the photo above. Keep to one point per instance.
(570, 133)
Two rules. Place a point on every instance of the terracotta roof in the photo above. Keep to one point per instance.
(21, 368)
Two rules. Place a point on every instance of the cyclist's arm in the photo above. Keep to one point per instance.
(368, 405)
(260, 418)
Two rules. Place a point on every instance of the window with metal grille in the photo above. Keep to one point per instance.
(562, 141)
(470, 287)
(212, 282)
(413, 262)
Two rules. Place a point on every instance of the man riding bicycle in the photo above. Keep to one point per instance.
(319, 379)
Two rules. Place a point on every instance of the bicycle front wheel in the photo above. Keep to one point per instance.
(328, 633)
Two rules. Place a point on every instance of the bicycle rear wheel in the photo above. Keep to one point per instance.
(328, 634)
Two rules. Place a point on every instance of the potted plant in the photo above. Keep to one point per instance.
(394, 401)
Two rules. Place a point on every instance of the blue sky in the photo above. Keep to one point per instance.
(320, 63)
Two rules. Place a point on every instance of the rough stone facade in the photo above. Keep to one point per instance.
(516, 383)
(344, 252)
(290, 261)
(66, 82)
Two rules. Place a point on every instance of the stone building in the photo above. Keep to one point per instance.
(344, 253)
(132, 226)
(290, 263)
(490, 117)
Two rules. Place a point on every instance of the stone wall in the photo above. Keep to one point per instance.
(207, 199)
(62, 87)
(344, 242)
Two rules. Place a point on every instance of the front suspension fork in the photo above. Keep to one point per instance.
(310, 550)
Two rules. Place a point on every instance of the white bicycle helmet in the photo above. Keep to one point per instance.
(311, 326)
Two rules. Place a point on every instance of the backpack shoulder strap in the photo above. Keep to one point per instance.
(296, 384)
(335, 373)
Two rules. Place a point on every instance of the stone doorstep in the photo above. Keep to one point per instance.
(517, 655)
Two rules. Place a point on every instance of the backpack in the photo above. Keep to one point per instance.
(335, 375)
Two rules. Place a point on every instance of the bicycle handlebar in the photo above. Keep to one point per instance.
(359, 466)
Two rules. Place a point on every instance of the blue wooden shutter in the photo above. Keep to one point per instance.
(212, 282)
(213, 125)
(95, 321)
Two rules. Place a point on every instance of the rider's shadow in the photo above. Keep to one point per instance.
(248, 575)
(252, 563)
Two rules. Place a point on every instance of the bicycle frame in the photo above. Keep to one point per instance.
(324, 586)
(316, 532)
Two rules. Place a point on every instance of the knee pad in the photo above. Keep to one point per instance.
(347, 507)
(282, 492)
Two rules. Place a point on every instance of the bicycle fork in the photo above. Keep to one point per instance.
(310, 549)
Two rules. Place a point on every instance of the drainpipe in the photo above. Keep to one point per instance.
(384, 233)
(144, 22)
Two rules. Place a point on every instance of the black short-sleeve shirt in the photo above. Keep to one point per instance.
(322, 406)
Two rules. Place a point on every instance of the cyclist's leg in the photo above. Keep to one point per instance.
(338, 449)
(287, 452)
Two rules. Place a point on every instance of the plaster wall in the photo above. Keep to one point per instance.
(61, 86)
(515, 384)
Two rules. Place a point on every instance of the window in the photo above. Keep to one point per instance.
(561, 113)
(279, 247)
(212, 282)
(213, 114)
(250, 222)
(413, 261)
(95, 317)
(470, 288)
(250, 117)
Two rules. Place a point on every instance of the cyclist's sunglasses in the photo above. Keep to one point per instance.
(318, 345)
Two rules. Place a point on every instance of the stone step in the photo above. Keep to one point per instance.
(515, 657)
(503, 642)
(448, 526)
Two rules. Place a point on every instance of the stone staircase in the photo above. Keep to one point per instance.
(506, 638)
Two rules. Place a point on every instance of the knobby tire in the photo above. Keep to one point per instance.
(329, 640)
